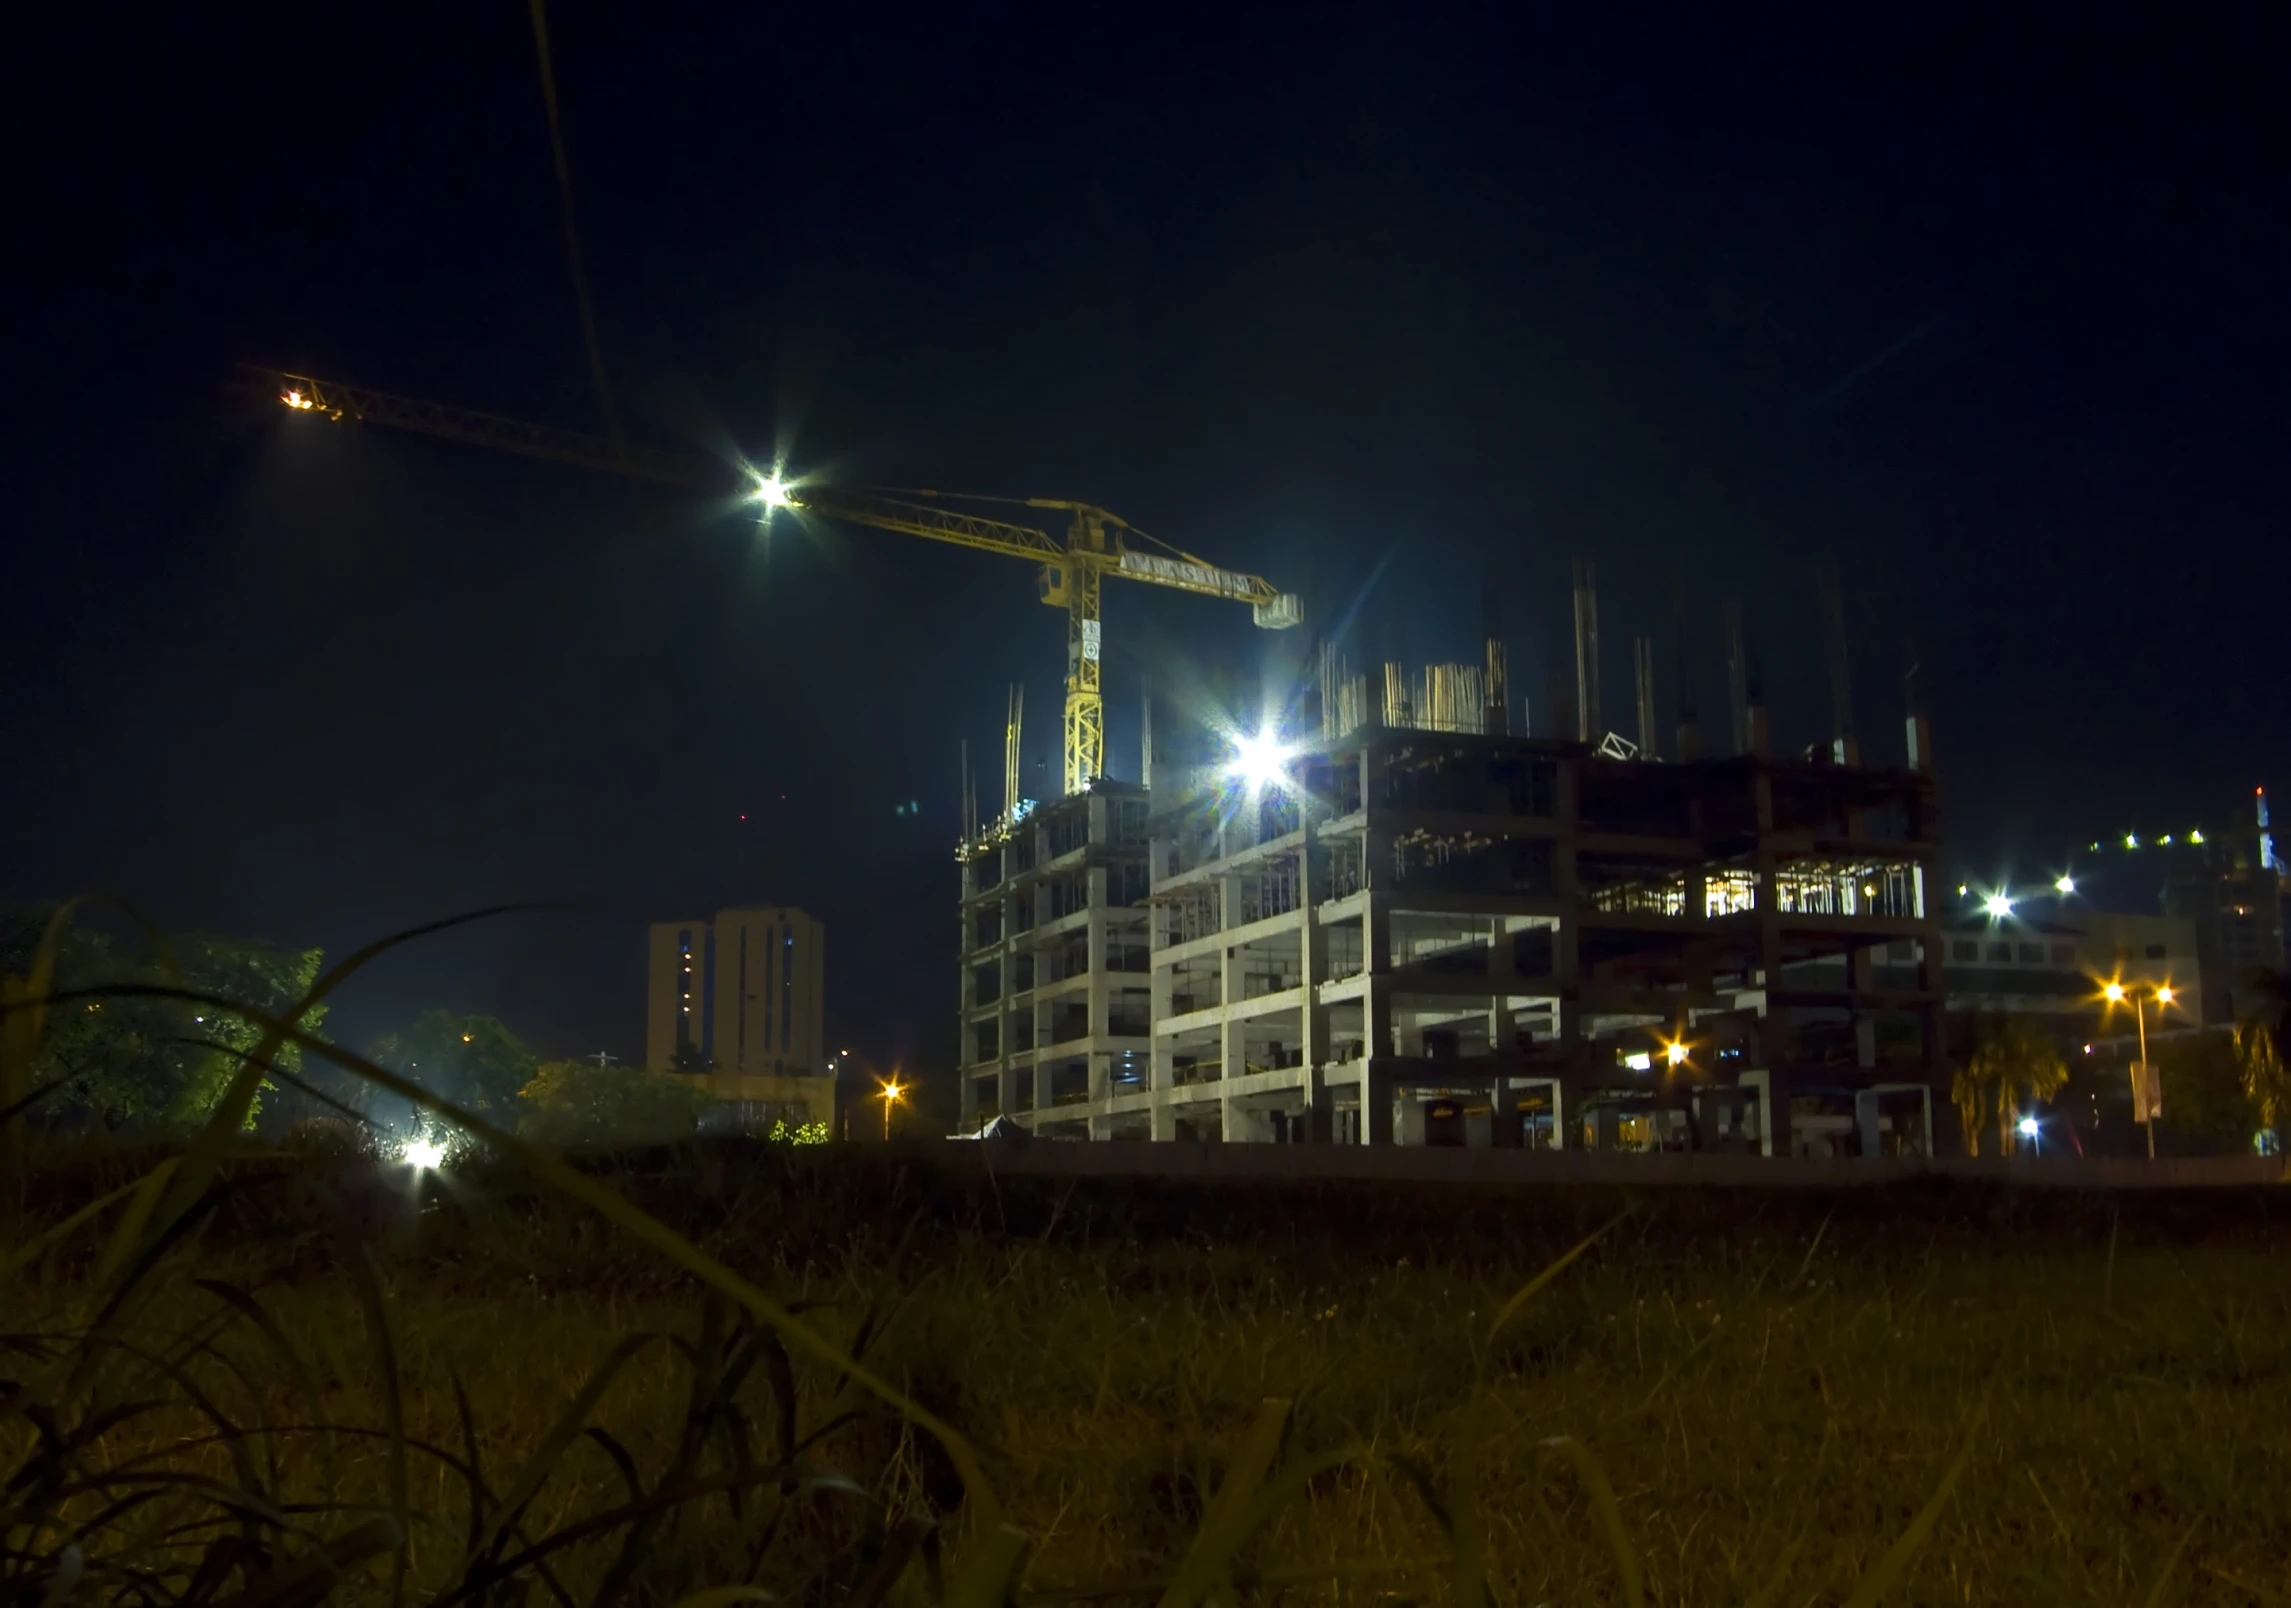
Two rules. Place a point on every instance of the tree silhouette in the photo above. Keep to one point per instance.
(2013, 1059)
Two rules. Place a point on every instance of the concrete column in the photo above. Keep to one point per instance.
(1407, 1119)
(1506, 1127)
(1375, 1106)
(1312, 971)
(1567, 1112)
(1866, 1119)
(1566, 953)
(1161, 1120)
(1101, 979)
(1606, 1128)
(1500, 1041)
(1772, 1087)
(1160, 984)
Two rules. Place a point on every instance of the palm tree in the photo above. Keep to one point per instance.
(2013, 1060)
(2263, 1044)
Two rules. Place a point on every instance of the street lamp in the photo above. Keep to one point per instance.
(2144, 1090)
(892, 1094)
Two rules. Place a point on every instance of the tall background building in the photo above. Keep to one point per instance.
(2227, 885)
(739, 1000)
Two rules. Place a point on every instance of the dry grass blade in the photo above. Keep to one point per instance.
(1468, 1533)
(1528, 1291)
(478, 1582)
(989, 1576)
(1609, 1512)
(2171, 1563)
(1911, 1541)
(1305, 1574)
(1232, 1512)
(298, 1368)
(899, 1549)
(127, 1234)
(724, 1597)
(30, 1250)
(561, 1435)
(1771, 1592)
(315, 1574)
(368, 1285)
(71, 1568)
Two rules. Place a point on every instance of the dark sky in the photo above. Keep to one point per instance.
(1995, 322)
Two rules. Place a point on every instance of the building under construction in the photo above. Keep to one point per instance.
(1422, 924)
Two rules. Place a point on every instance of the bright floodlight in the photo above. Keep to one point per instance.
(2113, 993)
(1259, 762)
(1998, 906)
(772, 492)
(2064, 883)
(2028, 1127)
(1675, 1052)
(423, 1155)
(2164, 995)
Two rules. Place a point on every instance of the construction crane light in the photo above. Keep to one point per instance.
(295, 399)
(1260, 762)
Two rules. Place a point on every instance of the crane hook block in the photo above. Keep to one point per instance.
(1285, 610)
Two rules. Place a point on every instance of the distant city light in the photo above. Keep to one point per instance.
(2165, 839)
(2195, 837)
(2131, 840)
(2064, 883)
(1675, 1052)
(1998, 906)
(1639, 1061)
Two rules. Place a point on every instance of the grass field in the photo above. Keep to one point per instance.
(1726, 1399)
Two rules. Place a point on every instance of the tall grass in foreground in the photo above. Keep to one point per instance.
(224, 1382)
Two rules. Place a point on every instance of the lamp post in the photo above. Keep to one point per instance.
(891, 1096)
(2144, 1090)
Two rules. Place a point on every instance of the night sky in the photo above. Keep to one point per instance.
(1998, 324)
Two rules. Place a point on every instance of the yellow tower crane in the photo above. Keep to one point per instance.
(1097, 544)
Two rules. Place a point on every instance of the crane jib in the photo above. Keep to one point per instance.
(1150, 567)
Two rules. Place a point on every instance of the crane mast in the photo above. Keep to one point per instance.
(1070, 573)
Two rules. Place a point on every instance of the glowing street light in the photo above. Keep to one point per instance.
(1675, 1052)
(2145, 1095)
(1998, 906)
(892, 1095)
(1260, 762)
(2064, 884)
(773, 492)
